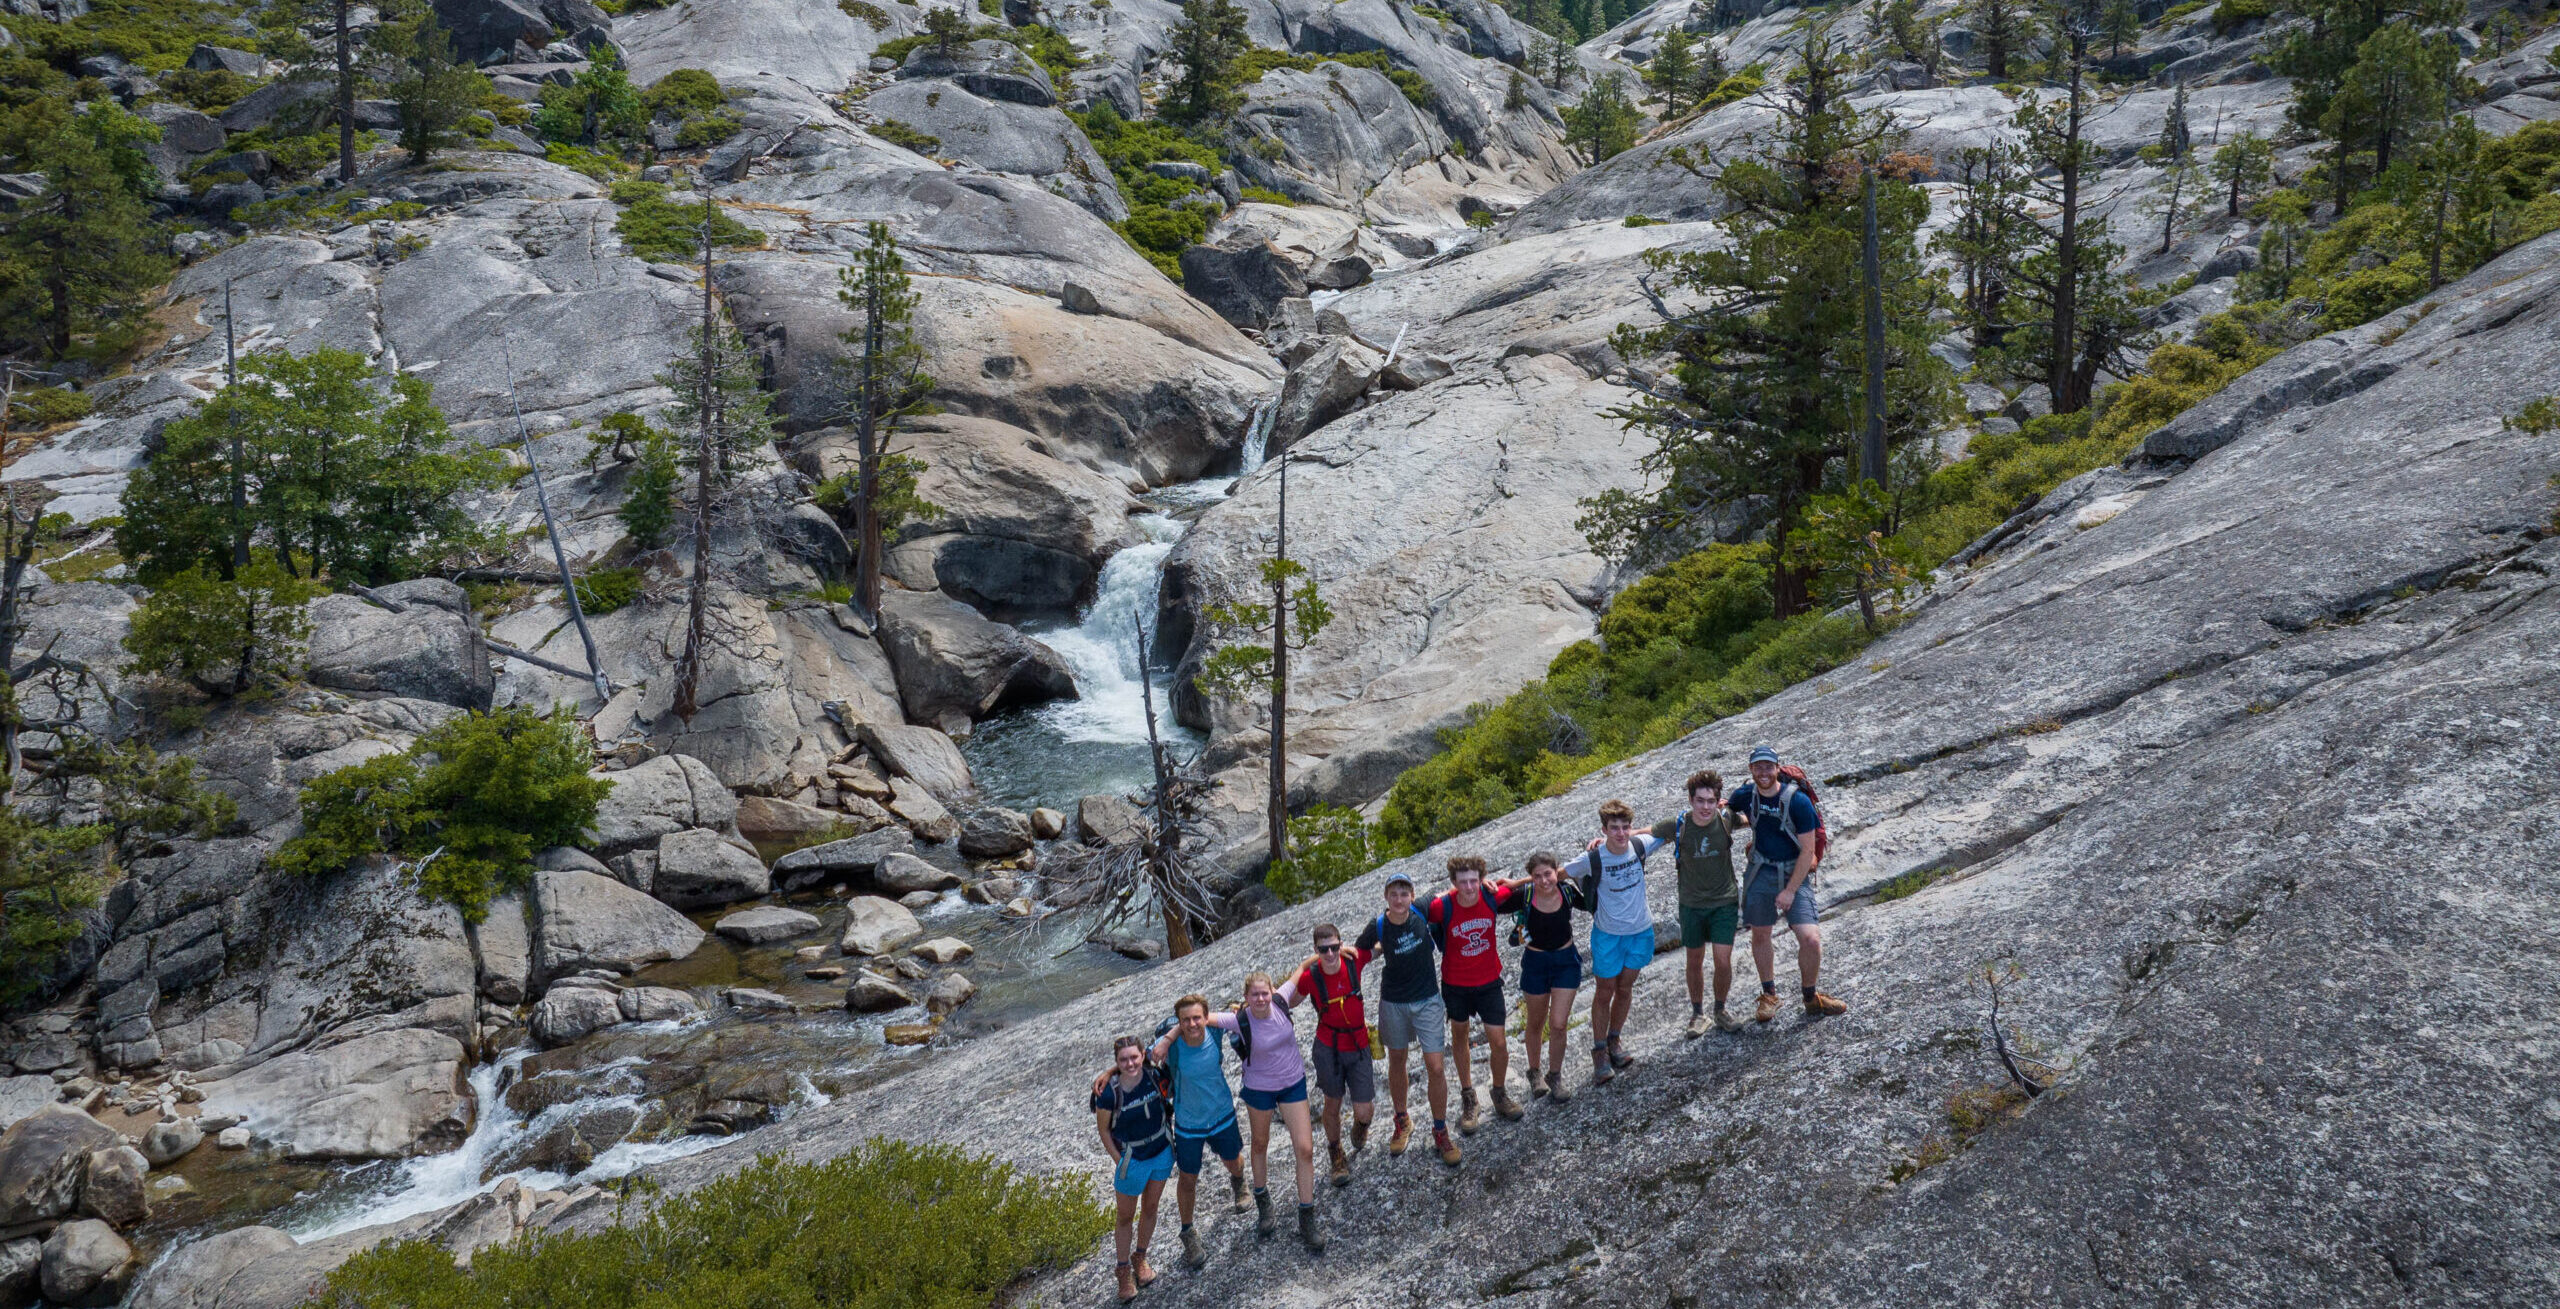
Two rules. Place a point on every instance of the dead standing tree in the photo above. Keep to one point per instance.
(1158, 865)
(722, 395)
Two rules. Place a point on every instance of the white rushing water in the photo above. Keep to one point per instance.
(431, 1182)
(1102, 648)
(1257, 435)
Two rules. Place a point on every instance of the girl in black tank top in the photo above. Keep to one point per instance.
(1550, 969)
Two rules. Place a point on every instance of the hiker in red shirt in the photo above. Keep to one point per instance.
(1330, 980)
(1462, 921)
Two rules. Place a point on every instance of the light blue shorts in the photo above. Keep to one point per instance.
(1132, 1175)
(1613, 953)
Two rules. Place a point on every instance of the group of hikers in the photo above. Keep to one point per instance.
(1166, 1105)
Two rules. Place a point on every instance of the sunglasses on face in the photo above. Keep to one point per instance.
(1330, 947)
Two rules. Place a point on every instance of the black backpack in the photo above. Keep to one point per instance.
(1165, 1078)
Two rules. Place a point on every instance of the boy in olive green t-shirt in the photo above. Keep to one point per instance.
(1710, 896)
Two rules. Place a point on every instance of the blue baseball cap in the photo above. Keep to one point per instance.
(1767, 754)
(1399, 876)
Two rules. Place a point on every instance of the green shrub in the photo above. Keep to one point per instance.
(1752, 78)
(223, 634)
(209, 89)
(1328, 846)
(1640, 220)
(2369, 293)
(685, 90)
(470, 802)
(1482, 218)
(47, 406)
(889, 1226)
(2232, 13)
(660, 229)
(901, 135)
(608, 589)
(1909, 883)
(1055, 54)
(1266, 196)
(603, 168)
(872, 15)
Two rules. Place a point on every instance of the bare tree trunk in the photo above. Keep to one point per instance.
(1871, 268)
(697, 602)
(1168, 837)
(346, 98)
(2066, 295)
(239, 453)
(559, 555)
(867, 455)
(1280, 683)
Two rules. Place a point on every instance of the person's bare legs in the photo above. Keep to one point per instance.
(1433, 1066)
(1534, 1009)
(1559, 1017)
(1465, 1055)
(1764, 955)
(1696, 961)
(1498, 1056)
(1620, 1000)
(1333, 1122)
(1262, 1147)
(1301, 1140)
(1147, 1219)
(1724, 974)
(1395, 1078)
(1186, 1189)
(1808, 953)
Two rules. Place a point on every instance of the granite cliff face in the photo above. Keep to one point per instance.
(2239, 752)
(2245, 762)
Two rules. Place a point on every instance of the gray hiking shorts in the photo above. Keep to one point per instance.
(1402, 1024)
(1345, 1074)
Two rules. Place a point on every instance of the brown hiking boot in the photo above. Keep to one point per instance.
(1403, 1136)
(1341, 1166)
(1359, 1135)
(1537, 1082)
(1128, 1282)
(1601, 1072)
(1471, 1117)
(1448, 1149)
(1768, 1007)
(1142, 1270)
(1504, 1105)
(1618, 1056)
(1726, 1022)
(1823, 1006)
(1235, 1185)
(1194, 1254)
(1557, 1091)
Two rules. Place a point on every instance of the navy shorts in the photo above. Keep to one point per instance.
(1266, 1101)
(1542, 971)
(1227, 1142)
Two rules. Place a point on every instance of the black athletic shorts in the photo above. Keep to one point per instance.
(1474, 1004)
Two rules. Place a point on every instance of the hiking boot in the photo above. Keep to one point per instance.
(1726, 1022)
(1194, 1254)
(1767, 1009)
(1537, 1082)
(1601, 1072)
(1698, 1025)
(1448, 1149)
(1557, 1091)
(1359, 1135)
(1403, 1137)
(1307, 1229)
(1341, 1167)
(1823, 1006)
(1471, 1117)
(1235, 1187)
(1128, 1281)
(1504, 1105)
(1264, 1224)
(1144, 1271)
(1618, 1056)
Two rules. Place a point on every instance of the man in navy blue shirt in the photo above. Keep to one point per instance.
(1785, 847)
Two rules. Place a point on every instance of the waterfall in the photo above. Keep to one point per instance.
(1257, 435)
(1102, 647)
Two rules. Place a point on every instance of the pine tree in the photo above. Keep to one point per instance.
(720, 395)
(80, 256)
(2182, 180)
(1604, 123)
(434, 95)
(2006, 28)
(2243, 166)
(947, 27)
(2121, 21)
(1207, 41)
(1766, 391)
(2396, 89)
(335, 480)
(888, 382)
(1245, 666)
(1991, 234)
(1673, 73)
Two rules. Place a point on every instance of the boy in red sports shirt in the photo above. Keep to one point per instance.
(1463, 920)
(1330, 980)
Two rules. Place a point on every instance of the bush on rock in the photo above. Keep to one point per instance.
(470, 802)
(889, 1226)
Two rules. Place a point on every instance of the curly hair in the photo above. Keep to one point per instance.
(1616, 811)
(1466, 863)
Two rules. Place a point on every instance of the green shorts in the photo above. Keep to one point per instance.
(1699, 927)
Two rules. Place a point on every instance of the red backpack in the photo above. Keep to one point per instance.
(1791, 779)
